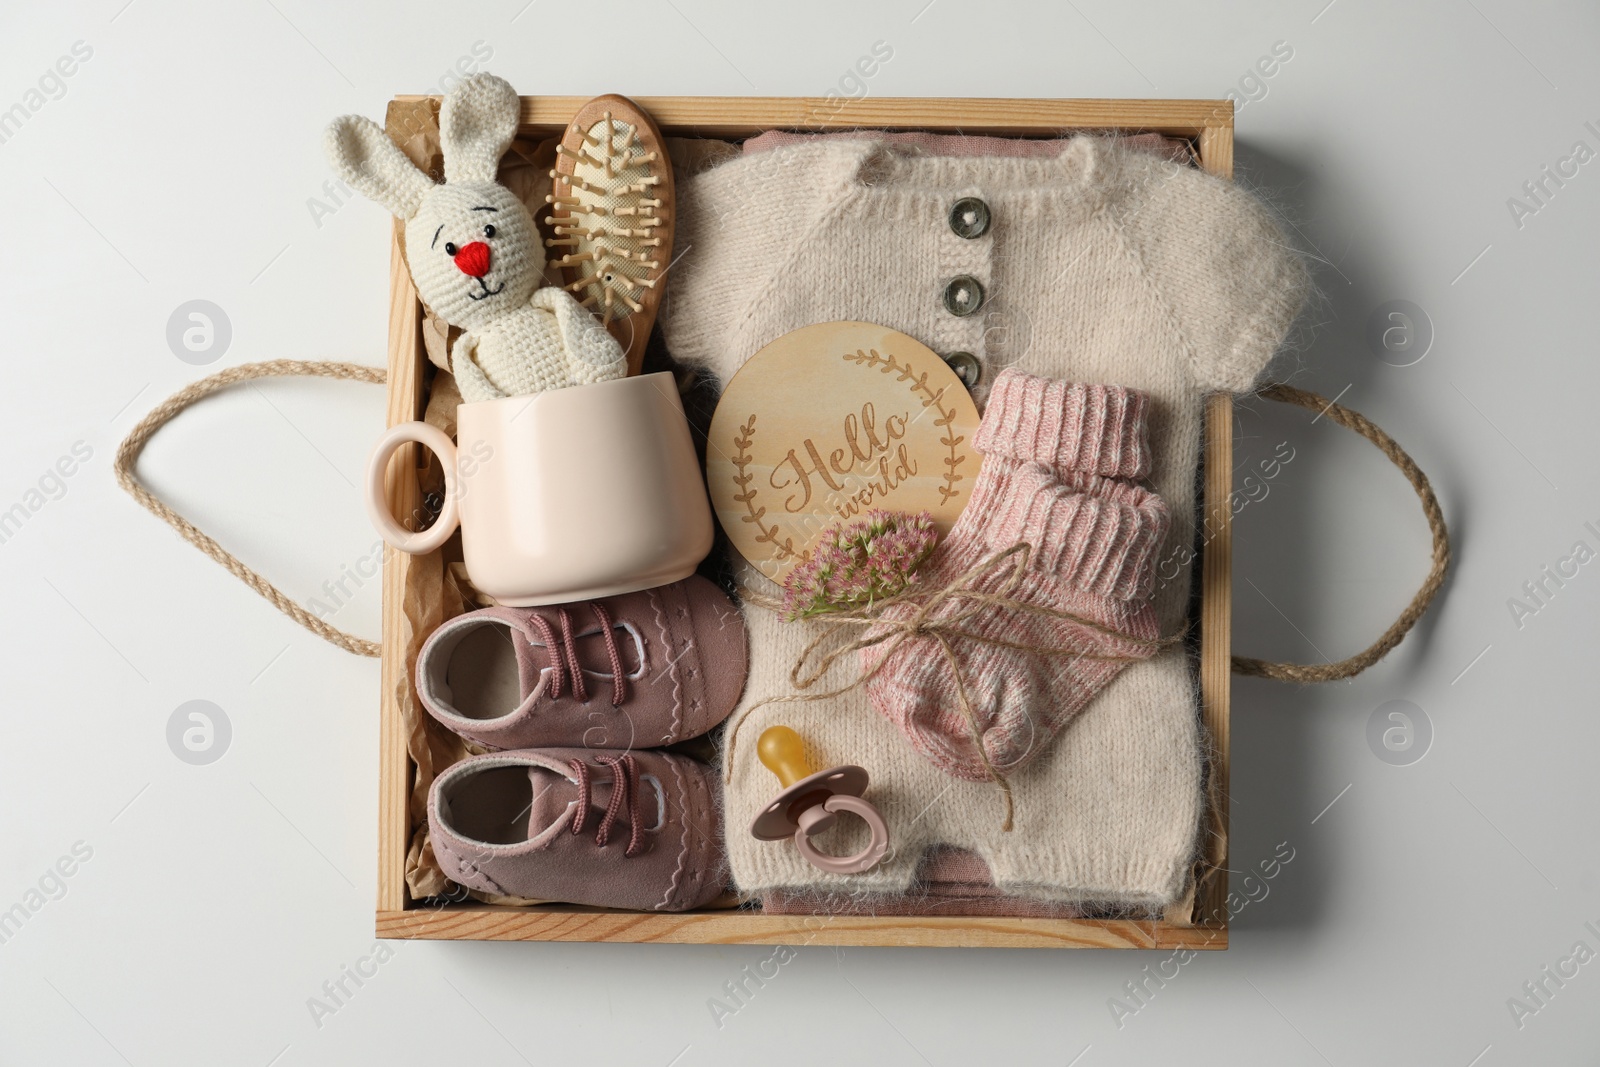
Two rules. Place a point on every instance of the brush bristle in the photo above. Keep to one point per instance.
(604, 217)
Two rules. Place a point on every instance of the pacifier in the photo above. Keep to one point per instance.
(811, 801)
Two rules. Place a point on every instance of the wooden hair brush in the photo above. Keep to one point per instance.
(611, 217)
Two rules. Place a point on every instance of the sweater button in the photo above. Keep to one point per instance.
(969, 218)
(963, 295)
(967, 368)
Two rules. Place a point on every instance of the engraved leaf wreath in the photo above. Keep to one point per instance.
(929, 398)
(782, 545)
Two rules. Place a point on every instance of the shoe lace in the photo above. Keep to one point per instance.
(624, 791)
(567, 646)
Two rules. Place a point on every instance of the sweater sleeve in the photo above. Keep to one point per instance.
(1224, 268)
(738, 224)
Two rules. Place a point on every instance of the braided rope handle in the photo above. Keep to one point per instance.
(128, 456)
(1346, 668)
(133, 445)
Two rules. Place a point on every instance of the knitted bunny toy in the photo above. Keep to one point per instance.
(473, 251)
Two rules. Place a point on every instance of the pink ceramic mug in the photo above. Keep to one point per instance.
(572, 494)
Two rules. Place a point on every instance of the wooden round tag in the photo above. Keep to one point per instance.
(828, 423)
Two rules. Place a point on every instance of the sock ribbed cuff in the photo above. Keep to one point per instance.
(1070, 426)
(1098, 534)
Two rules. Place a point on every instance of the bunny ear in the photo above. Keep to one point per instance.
(476, 125)
(364, 157)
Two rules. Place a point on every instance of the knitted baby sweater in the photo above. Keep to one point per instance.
(1101, 264)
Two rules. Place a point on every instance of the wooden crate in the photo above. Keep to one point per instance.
(1197, 922)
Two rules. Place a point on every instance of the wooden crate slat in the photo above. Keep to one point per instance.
(1210, 888)
(544, 923)
(406, 364)
(718, 116)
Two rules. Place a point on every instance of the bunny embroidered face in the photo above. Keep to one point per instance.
(473, 252)
(470, 242)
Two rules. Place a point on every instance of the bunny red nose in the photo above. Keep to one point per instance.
(474, 259)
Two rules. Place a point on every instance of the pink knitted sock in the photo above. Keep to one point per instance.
(1055, 458)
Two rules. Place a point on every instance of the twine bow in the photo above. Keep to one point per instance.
(966, 594)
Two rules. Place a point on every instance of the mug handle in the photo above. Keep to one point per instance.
(416, 542)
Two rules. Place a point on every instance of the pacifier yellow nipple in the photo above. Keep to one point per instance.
(782, 752)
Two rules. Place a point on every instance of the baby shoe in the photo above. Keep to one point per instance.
(635, 830)
(632, 671)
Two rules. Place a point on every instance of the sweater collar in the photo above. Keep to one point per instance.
(877, 164)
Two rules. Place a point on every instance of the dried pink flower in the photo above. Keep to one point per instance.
(859, 563)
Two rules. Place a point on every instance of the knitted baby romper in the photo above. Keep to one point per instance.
(1057, 459)
(1101, 265)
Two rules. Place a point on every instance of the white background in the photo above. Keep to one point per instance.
(178, 165)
